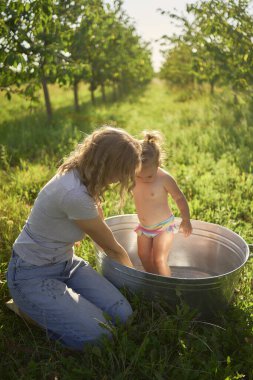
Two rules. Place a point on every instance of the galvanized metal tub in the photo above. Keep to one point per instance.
(205, 266)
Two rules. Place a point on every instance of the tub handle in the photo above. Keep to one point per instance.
(251, 250)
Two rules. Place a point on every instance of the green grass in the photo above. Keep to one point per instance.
(209, 146)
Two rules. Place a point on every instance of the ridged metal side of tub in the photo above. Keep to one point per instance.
(205, 266)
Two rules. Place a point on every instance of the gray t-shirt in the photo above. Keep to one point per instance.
(50, 231)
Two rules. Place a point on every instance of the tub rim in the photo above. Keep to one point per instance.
(130, 271)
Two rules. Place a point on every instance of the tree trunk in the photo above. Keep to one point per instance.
(200, 88)
(114, 91)
(46, 97)
(235, 98)
(119, 90)
(93, 86)
(93, 101)
(76, 100)
(212, 88)
(103, 92)
(195, 83)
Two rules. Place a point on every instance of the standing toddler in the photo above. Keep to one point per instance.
(156, 229)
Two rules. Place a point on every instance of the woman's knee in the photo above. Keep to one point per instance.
(87, 325)
(120, 310)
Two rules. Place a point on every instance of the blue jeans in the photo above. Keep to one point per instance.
(68, 299)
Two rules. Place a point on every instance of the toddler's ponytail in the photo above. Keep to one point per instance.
(151, 148)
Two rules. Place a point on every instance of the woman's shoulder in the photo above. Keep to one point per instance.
(65, 183)
(69, 180)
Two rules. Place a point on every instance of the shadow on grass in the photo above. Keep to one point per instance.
(34, 136)
(155, 340)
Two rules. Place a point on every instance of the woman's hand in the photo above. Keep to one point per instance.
(186, 227)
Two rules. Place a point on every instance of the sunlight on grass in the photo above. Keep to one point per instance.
(209, 147)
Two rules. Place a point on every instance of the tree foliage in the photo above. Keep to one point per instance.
(218, 40)
(48, 41)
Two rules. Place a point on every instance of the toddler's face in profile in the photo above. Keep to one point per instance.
(147, 174)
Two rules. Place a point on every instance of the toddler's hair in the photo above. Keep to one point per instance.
(108, 155)
(152, 148)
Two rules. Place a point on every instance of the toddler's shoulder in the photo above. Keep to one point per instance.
(165, 175)
(168, 181)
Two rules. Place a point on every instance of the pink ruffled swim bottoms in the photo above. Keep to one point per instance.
(154, 230)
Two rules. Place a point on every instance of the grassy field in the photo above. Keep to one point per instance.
(209, 146)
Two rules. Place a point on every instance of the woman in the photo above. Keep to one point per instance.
(55, 288)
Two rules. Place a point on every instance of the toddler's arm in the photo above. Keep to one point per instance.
(173, 189)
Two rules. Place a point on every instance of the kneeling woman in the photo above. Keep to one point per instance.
(47, 281)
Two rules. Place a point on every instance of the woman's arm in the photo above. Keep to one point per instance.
(98, 231)
(100, 210)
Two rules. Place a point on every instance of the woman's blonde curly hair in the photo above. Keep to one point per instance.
(108, 155)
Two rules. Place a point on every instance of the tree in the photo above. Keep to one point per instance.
(48, 41)
(178, 66)
(34, 44)
(110, 51)
(220, 37)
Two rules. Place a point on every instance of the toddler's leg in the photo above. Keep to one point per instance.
(145, 252)
(161, 247)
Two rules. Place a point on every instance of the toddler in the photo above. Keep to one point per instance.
(156, 229)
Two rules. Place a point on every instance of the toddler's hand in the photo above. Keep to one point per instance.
(186, 227)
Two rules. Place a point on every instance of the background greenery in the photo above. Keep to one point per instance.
(208, 141)
(70, 42)
(86, 65)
